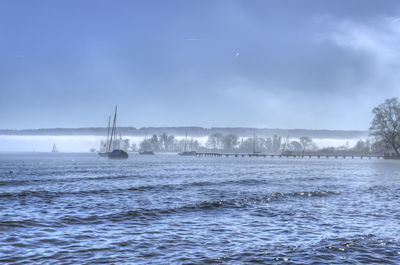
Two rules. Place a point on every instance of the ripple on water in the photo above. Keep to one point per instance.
(169, 209)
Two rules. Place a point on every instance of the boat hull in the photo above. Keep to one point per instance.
(103, 154)
(191, 153)
(118, 154)
(146, 153)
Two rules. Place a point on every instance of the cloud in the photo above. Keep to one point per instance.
(381, 41)
(375, 43)
(352, 67)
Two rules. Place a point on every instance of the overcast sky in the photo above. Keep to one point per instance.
(277, 64)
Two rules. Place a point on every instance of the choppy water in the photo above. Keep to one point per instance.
(166, 209)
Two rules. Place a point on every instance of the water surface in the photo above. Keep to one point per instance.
(167, 209)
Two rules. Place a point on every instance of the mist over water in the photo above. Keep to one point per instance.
(80, 208)
(83, 143)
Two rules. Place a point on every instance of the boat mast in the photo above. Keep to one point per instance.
(114, 129)
(115, 125)
(145, 142)
(185, 139)
(286, 143)
(108, 134)
(254, 144)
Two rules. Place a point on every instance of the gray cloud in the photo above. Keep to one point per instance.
(378, 43)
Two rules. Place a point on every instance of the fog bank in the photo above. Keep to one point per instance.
(83, 143)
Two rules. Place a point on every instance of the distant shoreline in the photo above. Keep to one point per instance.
(193, 131)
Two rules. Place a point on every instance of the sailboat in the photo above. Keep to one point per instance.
(115, 153)
(254, 145)
(104, 150)
(145, 152)
(55, 150)
(286, 151)
(185, 152)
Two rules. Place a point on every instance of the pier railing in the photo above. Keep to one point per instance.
(343, 156)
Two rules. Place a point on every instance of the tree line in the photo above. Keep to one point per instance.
(231, 143)
(385, 130)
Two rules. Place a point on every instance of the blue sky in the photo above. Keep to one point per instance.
(276, 64)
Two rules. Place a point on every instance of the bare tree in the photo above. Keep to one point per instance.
(215, 141)
(276, 143)
(230, 141)
(307, 143)
(386, 124)
(295, 146)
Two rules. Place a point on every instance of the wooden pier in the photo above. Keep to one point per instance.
(288, 156)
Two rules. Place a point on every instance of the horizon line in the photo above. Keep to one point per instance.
(182, 127)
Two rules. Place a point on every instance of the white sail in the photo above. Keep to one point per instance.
(55, 150)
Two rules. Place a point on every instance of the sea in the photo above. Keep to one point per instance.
(79, 208)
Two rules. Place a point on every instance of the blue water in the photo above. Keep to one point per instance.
(167, 209)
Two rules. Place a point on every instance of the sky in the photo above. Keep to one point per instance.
(269, 64)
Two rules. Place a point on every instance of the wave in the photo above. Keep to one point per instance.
(27, 223)
(156, 213)
(59, 179)
(365, 248)
(165, 187)
(15, 182)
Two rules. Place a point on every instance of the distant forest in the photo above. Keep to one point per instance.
(195, 132)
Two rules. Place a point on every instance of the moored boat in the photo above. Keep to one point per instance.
(118, 154)
(55, 150)
(114, 152)
(185, 152)
(146, 152)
